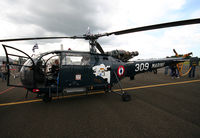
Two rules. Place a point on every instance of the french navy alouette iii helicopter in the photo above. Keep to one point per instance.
(78, 71)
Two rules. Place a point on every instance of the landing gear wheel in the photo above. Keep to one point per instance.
(107, 90)
(126, 97)
(47, 98)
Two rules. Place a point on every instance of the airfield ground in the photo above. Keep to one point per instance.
(160, 107)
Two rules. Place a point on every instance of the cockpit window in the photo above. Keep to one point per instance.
(28, 63)
(74, 59)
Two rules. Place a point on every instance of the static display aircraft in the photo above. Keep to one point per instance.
(67, 71)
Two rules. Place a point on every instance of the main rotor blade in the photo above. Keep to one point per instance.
(156, 26)
(39, 38)
(99, 47)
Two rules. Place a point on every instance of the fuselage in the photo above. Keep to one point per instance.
(76, 69)
(83, 70)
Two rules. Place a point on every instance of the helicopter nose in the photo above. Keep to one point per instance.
(26, 77)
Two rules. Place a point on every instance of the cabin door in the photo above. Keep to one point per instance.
(15, 61)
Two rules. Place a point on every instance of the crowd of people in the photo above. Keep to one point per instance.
(194, 61)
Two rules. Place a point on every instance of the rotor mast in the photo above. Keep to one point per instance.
(92, 42)
(92, 46)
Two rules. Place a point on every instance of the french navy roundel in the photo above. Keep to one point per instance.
(120, 71)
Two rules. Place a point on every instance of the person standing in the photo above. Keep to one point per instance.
(166, 70)
(1, 74)
(193, 63)
(174, 73)
(4, 71)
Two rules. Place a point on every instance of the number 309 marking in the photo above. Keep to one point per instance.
(141, 66)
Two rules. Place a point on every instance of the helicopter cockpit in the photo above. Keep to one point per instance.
(49, 66)
(44, 70)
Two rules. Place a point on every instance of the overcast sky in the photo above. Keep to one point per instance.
(38, 18)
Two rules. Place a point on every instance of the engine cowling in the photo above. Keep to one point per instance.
(122, 54)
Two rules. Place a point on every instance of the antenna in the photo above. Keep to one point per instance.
(61, 47)
(88, 31)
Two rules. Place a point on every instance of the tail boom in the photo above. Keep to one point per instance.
(141, 66)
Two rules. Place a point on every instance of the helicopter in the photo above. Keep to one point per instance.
(67, 71)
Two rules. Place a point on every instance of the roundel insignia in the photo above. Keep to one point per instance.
(120, 71)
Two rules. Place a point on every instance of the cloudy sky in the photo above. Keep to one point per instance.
(38, 18)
